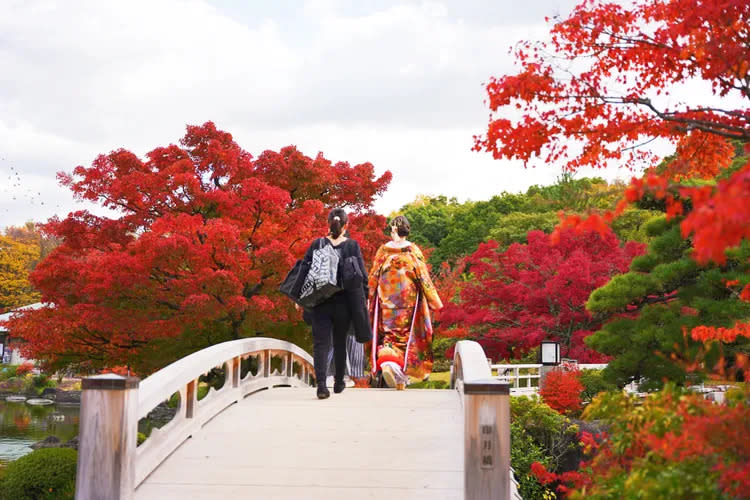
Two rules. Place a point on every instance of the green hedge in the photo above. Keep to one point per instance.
(48, 473)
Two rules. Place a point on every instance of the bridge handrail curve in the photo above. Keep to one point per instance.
(160, 385)
(469, 364)
(111, 465)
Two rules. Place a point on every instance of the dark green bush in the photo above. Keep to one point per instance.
(439, 346)
(593, 383)
(441, 365)
(554, 434)
(40, 380)
(48, 473)
(524, 452)
(37, 383)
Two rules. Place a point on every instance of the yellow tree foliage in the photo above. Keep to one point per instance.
(30, 234)
(17, 259)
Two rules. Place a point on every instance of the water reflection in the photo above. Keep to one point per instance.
(22, 425)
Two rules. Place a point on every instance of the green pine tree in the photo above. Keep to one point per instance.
(665, 293)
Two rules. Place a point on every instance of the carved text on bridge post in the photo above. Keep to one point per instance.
(487, 433)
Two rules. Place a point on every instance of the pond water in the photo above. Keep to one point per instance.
(22, 425)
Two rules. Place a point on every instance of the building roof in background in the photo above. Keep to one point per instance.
(6, 316)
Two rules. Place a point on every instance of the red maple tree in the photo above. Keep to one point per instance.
(610, 79)
(614, 78)
(538, 291)
(201, 237)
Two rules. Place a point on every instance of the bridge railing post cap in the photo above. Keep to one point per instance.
(487, 386)
(110, 381)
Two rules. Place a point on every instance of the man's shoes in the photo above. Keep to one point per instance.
(323, 392)
(338, 387)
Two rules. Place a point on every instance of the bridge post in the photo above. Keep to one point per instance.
(108, 438)
(236, 371)
(486, 439)
(266, 363)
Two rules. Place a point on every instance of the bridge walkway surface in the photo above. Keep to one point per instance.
(284, 443)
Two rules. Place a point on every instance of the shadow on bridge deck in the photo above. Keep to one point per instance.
(286, 444)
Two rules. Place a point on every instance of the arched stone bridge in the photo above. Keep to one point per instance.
(265, 435)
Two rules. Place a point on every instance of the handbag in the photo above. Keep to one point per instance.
(292, 284)
(321, 281)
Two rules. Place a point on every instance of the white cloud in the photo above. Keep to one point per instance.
(396, 83)
(424, 161)
(102, 71)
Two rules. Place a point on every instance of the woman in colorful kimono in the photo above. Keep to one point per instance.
(401, 298)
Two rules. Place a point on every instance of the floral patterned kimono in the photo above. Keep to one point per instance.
(401, 297)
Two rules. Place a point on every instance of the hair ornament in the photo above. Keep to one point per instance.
(337, 218)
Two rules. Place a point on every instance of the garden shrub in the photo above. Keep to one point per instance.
(562, 391)
(23, 369)
(442, 348)
(441, 365)
(552, 433)
(217, 376)
(47, 473)
(38, 383)
(524, 451)
(8, 372)
(593, 383)
(174, 400)
(672, 444)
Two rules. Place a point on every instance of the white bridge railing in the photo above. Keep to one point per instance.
(525, 379)
(110, 463)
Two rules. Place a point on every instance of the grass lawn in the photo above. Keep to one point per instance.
(441, 377)
(437, 380)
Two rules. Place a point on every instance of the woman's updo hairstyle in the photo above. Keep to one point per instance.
(402, 225)
(337, 219)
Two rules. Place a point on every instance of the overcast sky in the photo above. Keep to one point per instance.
(396, 83)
